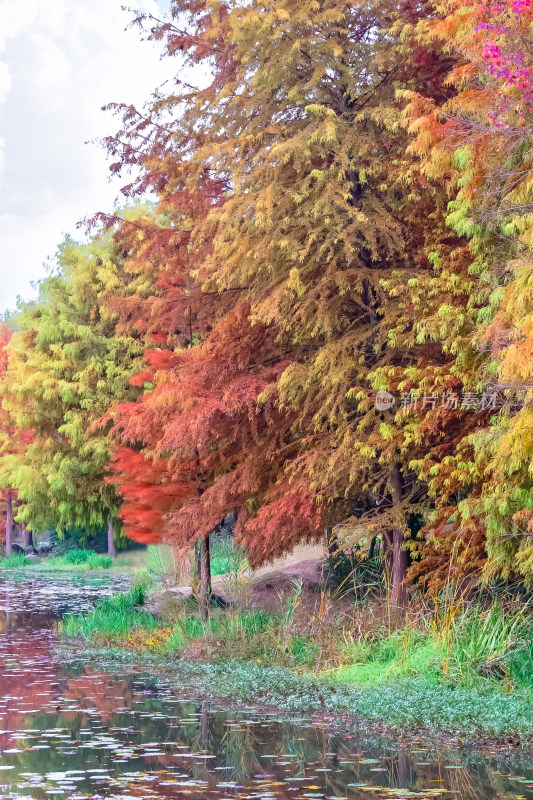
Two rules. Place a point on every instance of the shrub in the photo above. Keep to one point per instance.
(80, 559)
(137, 594)
(193, 627)
(246, 624)
(486, 642)
(351, 571)
(99, 561)
(384, 651)
(256, 622)
(355, 651)
(77, 556)
(521, 662)
(304, 652)
(115, 616)
(226, 557)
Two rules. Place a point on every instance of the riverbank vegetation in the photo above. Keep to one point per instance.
(460, 666)
(317, 329)
(471, 643)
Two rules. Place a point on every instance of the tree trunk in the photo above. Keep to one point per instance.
(198, 556)
(388, 553)
(399, 571)
(332, 543)
(9, 526)
(110, 540)
(399, 556)
(205, 577)
(27, 538)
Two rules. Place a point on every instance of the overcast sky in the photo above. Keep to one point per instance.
(60, 62)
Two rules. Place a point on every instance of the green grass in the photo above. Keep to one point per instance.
(386, 661)
(16, 561)
(480, 647)
(493, 643)
(384, 664)
(159, 559)
(71, 560)
(80, 559)
(226, 557)
(115, 616)
(92, 561)
(123, 616)
(521, 662)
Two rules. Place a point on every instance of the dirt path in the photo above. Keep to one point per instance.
(304, 561)
(262, 584)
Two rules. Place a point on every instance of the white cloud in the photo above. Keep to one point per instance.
(60, 62)
(5, 81)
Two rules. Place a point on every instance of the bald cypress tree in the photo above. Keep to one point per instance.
(333, 243)
(67, 365)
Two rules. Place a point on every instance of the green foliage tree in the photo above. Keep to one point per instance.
(67, 366)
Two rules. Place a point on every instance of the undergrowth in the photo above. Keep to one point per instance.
(226, 557)
(412, 704)
(452, 663)
(79, 559)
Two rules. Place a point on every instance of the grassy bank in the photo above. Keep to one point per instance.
(465, 669)
(72, 560)
(157, 560)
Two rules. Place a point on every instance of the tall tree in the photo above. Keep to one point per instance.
(320, 235)
(67, 365)
(194, 447)
(479, 142)
(13, 442)
(6, 435)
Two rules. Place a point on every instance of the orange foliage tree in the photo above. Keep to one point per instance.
(477, 142)
(13, 440)
(286, 178)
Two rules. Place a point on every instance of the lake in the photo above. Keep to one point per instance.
(71, 731)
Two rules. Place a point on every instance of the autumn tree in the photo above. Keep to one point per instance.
(194, 446)
(334, 244)
(6, 436)
(478, 141)
(13, 442)
(67, 365)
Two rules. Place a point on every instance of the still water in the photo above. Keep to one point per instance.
(71, 732)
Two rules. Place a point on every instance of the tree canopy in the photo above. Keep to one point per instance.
(325, 321)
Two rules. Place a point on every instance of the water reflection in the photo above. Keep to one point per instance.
(72, 732)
